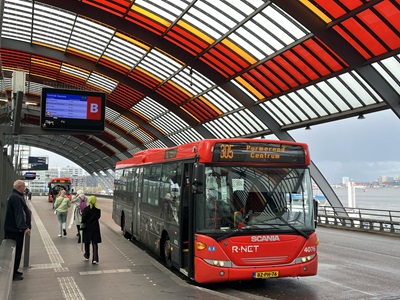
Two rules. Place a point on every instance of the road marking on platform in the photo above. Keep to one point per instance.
(45, 266)
(51, 249)
(70, 289)
(105, 272)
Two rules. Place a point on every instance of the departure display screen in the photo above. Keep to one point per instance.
(258, 152)
(72, 110)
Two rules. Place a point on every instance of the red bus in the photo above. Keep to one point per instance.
(222, 209)
(56, 184)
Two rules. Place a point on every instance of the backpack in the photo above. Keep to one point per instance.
(82, 204)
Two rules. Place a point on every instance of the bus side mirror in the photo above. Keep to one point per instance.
(198, 178)
(315, 212)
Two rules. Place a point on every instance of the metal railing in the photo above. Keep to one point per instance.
(361, 219)
(7, 254)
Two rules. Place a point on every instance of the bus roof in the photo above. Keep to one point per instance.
(60, 180)
(204, 150)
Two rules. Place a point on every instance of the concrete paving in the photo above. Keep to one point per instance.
(55, 267)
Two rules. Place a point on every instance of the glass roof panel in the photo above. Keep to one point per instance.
(389, 69)
(75, 71)
(149, 108)
(201, 109)
(111, 115)
(236, 124)
(304, 62)
(104, 83)
(125, 142)
(192, 81)
(17, 20)
(142, 135)
(314, 92)
(90, 37)
(361, 90)
(284, 107)
(278, 115)
(124, 51)
(103, 143)
(330, 93)
(311, 101)
(118, 8)
(125, 124)
(125, 96)
(206, 20)
(52, 26)
(373, 31)
(165, 9)
(305, 107)
(299, 111)
(160, 64)
(169, 123)
(155, 144)
(185, 136)
(245, 90)
(343, 93)
(222, 100)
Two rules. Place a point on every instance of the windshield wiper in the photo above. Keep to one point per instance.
(293, 227)
(234, 232)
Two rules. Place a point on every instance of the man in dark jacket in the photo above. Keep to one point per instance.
(17, 223)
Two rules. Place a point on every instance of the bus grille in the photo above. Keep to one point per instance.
(264, 260)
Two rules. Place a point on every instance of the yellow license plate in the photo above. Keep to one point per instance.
(266, 274)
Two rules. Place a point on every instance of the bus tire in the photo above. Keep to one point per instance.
(166, 252)
(122, 222)
(124, 232)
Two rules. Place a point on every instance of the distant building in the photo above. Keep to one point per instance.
(345, 180)
(385, 180)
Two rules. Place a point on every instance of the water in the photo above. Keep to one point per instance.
(382, 198)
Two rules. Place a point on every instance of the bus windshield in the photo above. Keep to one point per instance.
(255, 198)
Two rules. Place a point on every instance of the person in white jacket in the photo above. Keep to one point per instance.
(79, 203)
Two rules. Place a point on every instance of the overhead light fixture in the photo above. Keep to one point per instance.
(361, 117)
(308, 128)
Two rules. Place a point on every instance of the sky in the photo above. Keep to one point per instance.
(362, 150)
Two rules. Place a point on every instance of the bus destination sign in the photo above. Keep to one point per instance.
(258, 152)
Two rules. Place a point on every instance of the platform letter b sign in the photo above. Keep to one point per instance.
(94, 108)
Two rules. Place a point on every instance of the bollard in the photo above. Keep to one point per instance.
(27, 246)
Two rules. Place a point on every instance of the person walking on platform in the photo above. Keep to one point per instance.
(17, 223)
(91, 229)
(61, 207)
(80, 202)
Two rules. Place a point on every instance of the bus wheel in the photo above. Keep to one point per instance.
(124, 232)
(167, 252)
(122, 223)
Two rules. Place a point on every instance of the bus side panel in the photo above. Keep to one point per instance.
(150, 228)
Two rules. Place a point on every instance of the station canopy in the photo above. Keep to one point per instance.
(177, 71)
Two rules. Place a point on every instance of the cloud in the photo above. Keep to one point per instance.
(360, 149)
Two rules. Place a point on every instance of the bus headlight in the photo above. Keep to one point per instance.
(304, 259)
(219, 263)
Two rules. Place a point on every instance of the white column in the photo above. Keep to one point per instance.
(351, 195)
